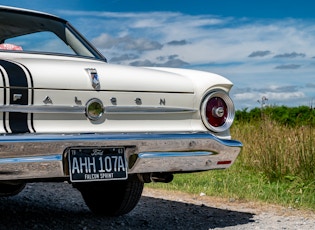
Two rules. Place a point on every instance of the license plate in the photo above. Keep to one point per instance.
(97, 164)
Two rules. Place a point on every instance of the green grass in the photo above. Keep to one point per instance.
(238, 184)
(277, 165)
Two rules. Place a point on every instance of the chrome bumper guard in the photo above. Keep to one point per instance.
(43, 156)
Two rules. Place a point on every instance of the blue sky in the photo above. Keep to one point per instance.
(266, 48)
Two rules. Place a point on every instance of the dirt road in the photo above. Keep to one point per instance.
(59, 206)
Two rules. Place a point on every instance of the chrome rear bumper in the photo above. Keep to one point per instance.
(43, 156)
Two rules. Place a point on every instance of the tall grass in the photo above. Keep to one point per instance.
(276, 165)
(280, 152)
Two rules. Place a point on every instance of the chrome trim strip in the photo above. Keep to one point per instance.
(42, 109)
(172, 154)
(81, 109)
(31, 159)
(101, 137)
(145, 110)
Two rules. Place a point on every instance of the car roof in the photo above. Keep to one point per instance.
(17, 21)
(28, 11)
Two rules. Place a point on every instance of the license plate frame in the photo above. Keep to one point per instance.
(97, 164)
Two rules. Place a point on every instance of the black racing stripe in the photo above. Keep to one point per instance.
(4, 100)
(32, 97)
(18, 85)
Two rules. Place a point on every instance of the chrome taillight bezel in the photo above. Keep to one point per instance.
(230, 111)
(94, 109)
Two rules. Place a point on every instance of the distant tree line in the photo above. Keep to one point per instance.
(290, 116)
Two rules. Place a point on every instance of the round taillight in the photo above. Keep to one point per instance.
(217, 111)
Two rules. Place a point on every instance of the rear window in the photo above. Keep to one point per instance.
(38, 42)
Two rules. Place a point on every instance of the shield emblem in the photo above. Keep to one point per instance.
(94, 78)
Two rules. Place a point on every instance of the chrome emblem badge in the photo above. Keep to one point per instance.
(47, 100)
(94, 78)
(138, 101)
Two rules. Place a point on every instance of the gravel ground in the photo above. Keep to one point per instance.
(59, 206)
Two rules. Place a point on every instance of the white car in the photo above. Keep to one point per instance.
(68, 115)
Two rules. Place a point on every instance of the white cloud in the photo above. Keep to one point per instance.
(272, 96)
(212, 43)
(211, 38)
(105, 41)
